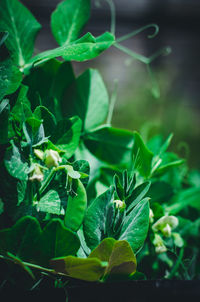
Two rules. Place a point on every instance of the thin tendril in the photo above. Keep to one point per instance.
(133, 54)
(135, 32)
(113, 16)
(163, 51)
(112, 103)
(155, 87)
(112, 11)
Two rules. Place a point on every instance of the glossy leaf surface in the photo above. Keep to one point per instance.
(22, 27)
(68, 20)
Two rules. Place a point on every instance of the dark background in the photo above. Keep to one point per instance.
(178, 75)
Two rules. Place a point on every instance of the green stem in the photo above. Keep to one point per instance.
(34, 266)
(113, 16)
(112, 103)
(47, 181)
(177, 264)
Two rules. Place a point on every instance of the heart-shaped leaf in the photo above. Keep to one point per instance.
(22, 27)
(111, 145)
(67, 135)
(21, 239)
(87, 98)
(88, 269)
(68, 20)
(57, 241)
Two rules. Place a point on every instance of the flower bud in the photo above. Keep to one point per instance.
(165, 224)
(159, 244)
(36, 174)
(52, 158)
(151, 216)
(39, 153)
(119, 204)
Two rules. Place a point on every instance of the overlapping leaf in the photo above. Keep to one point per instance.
(68, 19)
(22, 28)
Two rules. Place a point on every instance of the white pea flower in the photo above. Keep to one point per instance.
(36, 174)
(151, 216)
(165, 224)
(52, 158)
(39, 153)
(159, 244)
(119, 204)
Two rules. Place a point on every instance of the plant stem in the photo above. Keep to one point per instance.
(113, 16)
(35, 266)
(112, 103)
(47, 181)
(177, 264)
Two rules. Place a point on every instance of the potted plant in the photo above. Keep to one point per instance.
(84, 205)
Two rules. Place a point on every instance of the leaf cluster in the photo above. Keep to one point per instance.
(80, 198)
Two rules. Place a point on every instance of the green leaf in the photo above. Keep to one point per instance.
(68, 20)
(94, 224)
(88, 269)
(135, 225)
(67, 135)
(168, 161)
(189, 197)
(76, 206)
(22, 28)
(57, 241)
(119, 255)
(157, 146)
(160, 191)
(34, 132)
(22, 108)
(14, 163)
(21, 190)
(4, 116)
(48, 119)
(47, 85)
(119, 188)
(142, 156)
(122, 261)
(1, 207)
(137, 195)
(3, 37)
(104, 250)
(111, 145)
(83, 167)
(88, 98)
(21, 239)
(86, 48)
(10, 77)
(50, 203)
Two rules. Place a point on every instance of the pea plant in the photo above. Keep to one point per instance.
(79, 198)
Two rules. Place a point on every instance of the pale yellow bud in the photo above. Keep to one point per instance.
(39, 153)
(151, 216)
(37, 174)
(159, 244)
(119, 204)
(165, 224)
(52, 158)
